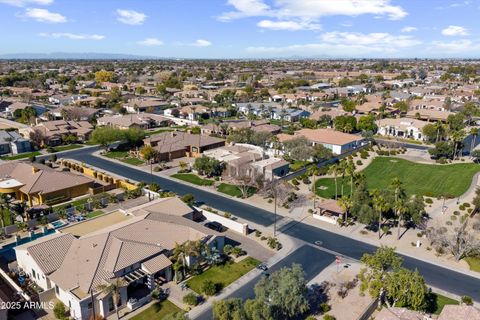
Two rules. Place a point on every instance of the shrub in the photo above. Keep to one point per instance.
(258, 233)
(237, 251)
(428, 200)
(466, 205)
(59, 310)
(227, 215)
(209, 288)
(359, 162)
(324, 307)
(457, 213)
(227, 249)
(469, 210)
(188, 198)
(453, 218)
(328, 317)
(155, 294)
(467, 300)
(461, 207)
(449, 223)
(263, 238)
(191, 299)
(272, 242)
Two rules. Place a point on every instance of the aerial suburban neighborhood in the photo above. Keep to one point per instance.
(171, 179)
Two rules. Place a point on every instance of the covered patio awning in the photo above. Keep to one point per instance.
(156, 264)
(134, 276)
(330, 207)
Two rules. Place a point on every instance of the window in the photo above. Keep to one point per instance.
(34, 274)
(90, 305)
(57, 290)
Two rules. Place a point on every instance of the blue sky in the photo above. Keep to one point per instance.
(243, 28)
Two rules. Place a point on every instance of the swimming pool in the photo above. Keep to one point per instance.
(8, 253)
(58, 224)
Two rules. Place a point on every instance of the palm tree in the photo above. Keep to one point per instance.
(343, 169)
(334, 169)
(439, 128)
(397, 185)
(113, 288)
(380, 205)
(473, 133)
(351, 172)
(457, 137)
(345, 203)
(4, 207)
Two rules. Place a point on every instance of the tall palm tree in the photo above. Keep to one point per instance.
(345, 203)
(4, 207)
(397, 185)
(380, 205)
(351, 172)
(473, 133)
(334, 169)
(113, 288)
(438, 128)
(343, 170)
(457, 137)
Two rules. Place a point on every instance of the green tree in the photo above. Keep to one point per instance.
(406, 289)
(208, 166)
(367, 123)
(285, 291)
(348, 105)
(60, 311)
(298, 148)
(133, 136)
(230, 309)
(380, 205)
(105, 136)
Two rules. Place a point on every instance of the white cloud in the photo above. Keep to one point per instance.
(455, 31)
(43, 15)
(288, 25)
(457, 46)
(73, 36)
(409, 29)
(312, 10)
(131, 17)
(378, 39)
(344, 44)
(23, 3)
(150, 42)
(201, 43)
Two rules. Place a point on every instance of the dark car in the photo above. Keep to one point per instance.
(262, 266)
(215, 226)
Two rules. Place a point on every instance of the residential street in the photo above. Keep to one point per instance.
(437, 276)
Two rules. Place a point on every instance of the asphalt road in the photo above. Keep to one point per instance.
(437, 276)
(312, 260)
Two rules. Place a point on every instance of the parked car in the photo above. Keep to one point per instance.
(217, 226)
(262, 266)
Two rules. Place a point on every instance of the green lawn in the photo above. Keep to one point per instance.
(234, 191)
(133, 161)
(474, 263)
(95, 213)
(436, 302)
(223, 275)
(66, 148)
(193, 178)
(116, 154)
(158, 311)
(425, 179)
(22, 155)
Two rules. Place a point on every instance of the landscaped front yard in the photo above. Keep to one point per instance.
(22, 155)
(158, 311)
(234, 191)
(68, 147)
(123, 156)
(425, 179)
(223, 275)
(193, 178)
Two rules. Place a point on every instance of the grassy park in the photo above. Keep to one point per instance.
(425, 179)
(223, 275)
(193, 178)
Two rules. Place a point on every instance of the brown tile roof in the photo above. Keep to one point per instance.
(49, 252)
(176, 140)
(326, 136)
(399, 314)
(38, 178)
(156, 264)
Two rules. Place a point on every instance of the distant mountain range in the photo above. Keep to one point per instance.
(74, 56)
